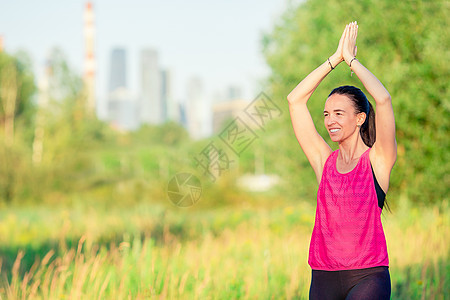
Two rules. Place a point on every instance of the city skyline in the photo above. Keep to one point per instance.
(219, 42)
(154, 104)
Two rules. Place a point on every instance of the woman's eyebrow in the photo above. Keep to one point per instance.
(325, 111)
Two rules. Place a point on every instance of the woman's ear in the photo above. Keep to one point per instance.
(360, 119)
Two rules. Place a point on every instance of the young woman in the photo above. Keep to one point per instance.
(348, 252)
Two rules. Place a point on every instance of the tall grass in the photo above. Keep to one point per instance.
(245, 253)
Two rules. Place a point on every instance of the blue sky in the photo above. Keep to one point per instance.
(216, 40)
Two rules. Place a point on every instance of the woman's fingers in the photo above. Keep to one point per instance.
(344, 33)
(351, 27)
(350, 41)
(355, 36)
(347, 31)
(353, 31)
(341, 40)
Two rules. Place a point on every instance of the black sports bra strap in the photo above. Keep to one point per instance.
(381, 195)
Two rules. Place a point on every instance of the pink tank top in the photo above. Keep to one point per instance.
(347, 233)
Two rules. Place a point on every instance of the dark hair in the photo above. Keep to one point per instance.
(361, 105)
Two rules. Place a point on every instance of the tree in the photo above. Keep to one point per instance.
(405, 44)
(16, 89)
(16, 112)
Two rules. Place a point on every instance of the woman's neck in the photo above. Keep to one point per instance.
(351, 150)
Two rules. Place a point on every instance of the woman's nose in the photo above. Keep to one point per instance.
(330, 120)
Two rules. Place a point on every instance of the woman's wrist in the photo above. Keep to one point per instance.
(334, 60)
(348, 60)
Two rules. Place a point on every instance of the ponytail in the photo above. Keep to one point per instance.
(368, 131)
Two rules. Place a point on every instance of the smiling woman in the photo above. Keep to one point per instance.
(359, 107)
(348, 245)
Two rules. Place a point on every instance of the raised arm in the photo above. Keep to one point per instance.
(314, 146)
(384, 150)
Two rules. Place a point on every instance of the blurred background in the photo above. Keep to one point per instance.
(122, 173)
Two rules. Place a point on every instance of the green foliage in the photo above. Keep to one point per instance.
(18, 65)
(404, 43)
(83, 159)
(168, 134)
(16, 112)
(64, 83)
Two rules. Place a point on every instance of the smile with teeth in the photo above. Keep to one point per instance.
(334, 130)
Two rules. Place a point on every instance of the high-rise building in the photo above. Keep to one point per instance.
(122, 108)
(171, 109)
(165, 94)
(151, 108)
(198, 110)
(118, 70)
(182, 113)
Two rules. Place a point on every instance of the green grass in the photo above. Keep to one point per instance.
(241, 251)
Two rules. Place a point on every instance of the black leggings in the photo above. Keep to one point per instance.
(369, 283)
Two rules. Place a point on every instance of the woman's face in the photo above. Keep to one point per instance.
(340, 119)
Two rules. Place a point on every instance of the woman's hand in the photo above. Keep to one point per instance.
(349, 45)
(338, 57)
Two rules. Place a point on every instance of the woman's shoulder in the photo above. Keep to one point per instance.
(331, 157)
(333, 154)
